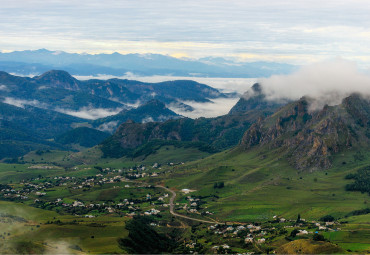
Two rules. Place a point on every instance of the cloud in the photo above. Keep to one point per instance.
(22, 102)
(275, 30)
(3, 88)
(147, 119)
(91, 113)
(108, 127)
(326, 82)
(217, 107)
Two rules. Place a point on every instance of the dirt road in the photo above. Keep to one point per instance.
(172, 207)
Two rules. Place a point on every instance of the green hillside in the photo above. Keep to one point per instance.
(83, 136)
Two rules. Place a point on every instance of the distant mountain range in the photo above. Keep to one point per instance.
(35, 112)
(39, 61)
(60, 91)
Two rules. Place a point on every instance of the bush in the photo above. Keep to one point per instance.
(327, 218)
(362, 180)
(318, 237)
(218, 185)
(294, 232)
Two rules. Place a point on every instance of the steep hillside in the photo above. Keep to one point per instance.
(83, 136)
(45, 123)
(31, 128)
(16, 140)
(310, 139)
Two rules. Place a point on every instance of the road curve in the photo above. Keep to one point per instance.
(172, 207)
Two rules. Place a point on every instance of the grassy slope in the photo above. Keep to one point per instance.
(64, 236)
(93, 156)
(260, 184)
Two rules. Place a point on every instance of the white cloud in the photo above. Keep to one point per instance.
(90, 112)
(3, 88)
(108, 127)
(147, 119)
(42, 87)
(217, 107)
(327, 82)
(22, 102)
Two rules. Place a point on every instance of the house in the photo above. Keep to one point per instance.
(262, 240)
(302, 232)
(77, 203)
(248, 240)
(230, 228)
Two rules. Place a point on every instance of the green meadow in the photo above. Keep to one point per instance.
(257, 185)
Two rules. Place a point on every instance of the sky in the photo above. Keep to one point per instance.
(289, 31)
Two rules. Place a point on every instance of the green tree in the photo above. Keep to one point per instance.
(143, 239)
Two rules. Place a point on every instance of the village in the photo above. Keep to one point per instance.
(125, 195)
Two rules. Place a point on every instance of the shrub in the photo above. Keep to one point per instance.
(318, 237)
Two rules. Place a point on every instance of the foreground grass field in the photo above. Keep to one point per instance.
(73, 234)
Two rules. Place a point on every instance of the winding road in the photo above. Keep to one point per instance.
(172, 207)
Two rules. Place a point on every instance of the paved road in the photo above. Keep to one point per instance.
(172, 207)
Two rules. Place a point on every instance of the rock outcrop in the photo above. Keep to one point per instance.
(310, 139)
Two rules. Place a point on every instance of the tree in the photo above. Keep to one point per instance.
(299, 218)
(143, 239)
(318, 237)
(294, 232)
(327, 218)
(218, 185)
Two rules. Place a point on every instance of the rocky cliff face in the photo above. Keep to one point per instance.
(311, 138)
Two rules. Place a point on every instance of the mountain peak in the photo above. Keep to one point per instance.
(154, 103)
(58, 78)
(56, 73)
(257, 88)
(254, 99)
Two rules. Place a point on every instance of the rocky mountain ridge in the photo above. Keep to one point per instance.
(310, 139)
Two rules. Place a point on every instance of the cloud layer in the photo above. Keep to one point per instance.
(90, 112)
(217, 107)
(22, 102)
(281, 30)
(326, 82)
